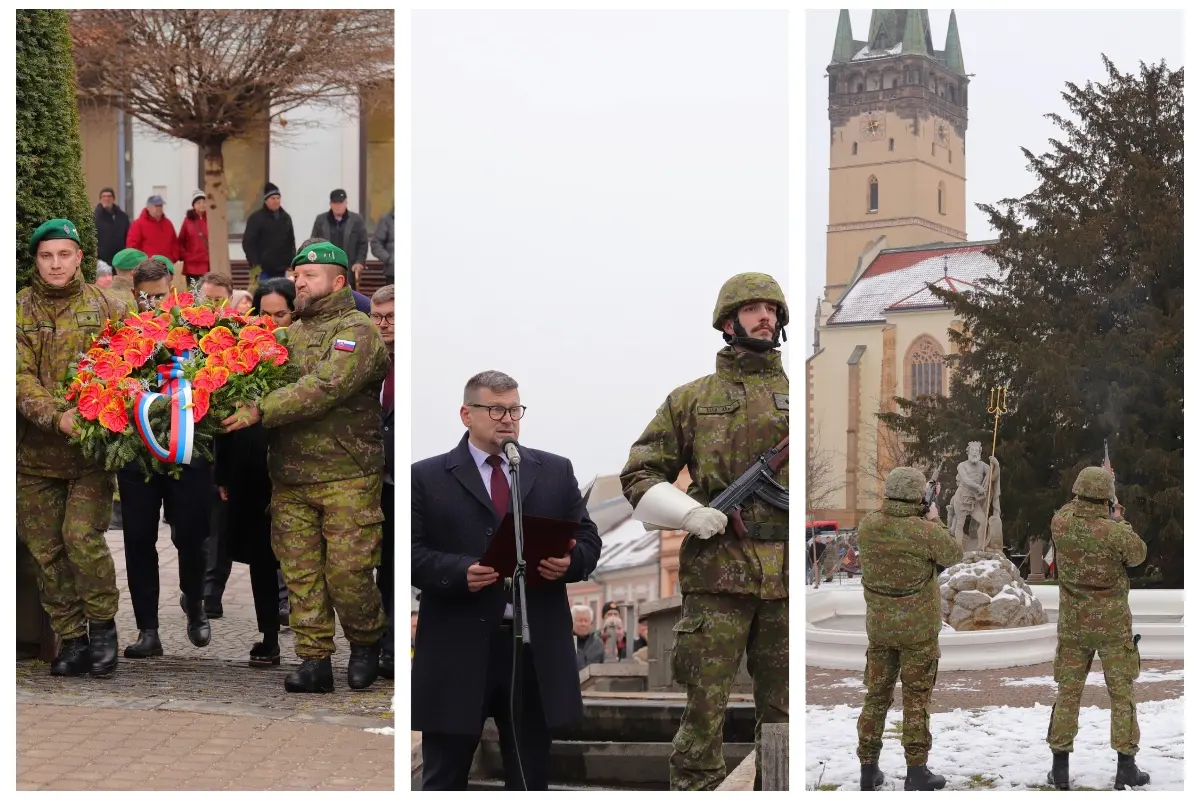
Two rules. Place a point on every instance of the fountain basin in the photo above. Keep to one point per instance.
(835, 632)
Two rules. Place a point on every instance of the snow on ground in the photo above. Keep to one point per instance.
(1097, 678)
(942, 685)
(381, 731)
(999, 748)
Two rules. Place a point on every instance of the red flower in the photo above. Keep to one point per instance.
(176, 299)
(210, 377)
(157, 329)
(252, 334)
(130, 387)
(228, 312)
(114, 415)
(243, 360)
(218, 340)
(199, 403)
(93, 354)
(138, 353)
(111, 366)
(91, 400)
(180, 339)
(119, 341)
(201, 316)
(279, 355)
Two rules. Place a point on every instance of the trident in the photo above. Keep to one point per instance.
(997, 407)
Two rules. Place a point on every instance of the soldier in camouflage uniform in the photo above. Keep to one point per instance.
(64, 503)
(326, 465)
(123, 264)
(899, 552)
(1093, 616)
(734, 590)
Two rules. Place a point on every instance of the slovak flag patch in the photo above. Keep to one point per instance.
(345, 345)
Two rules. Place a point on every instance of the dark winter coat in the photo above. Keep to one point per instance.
(353, 239)
(112, 228)
(270, 241)
(241, 467)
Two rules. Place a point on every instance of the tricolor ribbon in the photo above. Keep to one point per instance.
(178, 392)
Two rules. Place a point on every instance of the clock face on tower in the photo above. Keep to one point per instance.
(872, 126)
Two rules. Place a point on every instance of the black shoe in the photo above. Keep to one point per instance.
(265, 655)
(1059, 775)
(1128, 773)
(314, 675)
(363, 668)
(147, 645)
(213, 608)
(870, 777)
(283, 614)
(920, 779)
(198, 630)
(103, 647)
(387, 664)
(74, 658)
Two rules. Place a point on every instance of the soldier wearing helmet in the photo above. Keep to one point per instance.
(734, 590)
(1093, 552)
(899, 553)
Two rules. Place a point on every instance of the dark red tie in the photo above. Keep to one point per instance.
(499, 486)
(389, 387)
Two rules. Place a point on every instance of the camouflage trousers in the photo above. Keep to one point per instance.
(916, 667)
(63, 522)
(327, 537)
(710, 638)
(1122, 665)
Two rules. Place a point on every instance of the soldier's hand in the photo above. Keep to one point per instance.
(357, 270)
(244, 417)
(68, 421)
(933, 514)
(554, 568)
(479, 577)
(705, 522)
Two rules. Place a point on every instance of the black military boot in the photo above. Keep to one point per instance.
(147, 645)
(870, 777)
(102, 647)
(315, 675)
(387, 664)
(1128, 773)
(198, 630)
(1059, 775)
(920, 779)
(73, 658)
(363, 668)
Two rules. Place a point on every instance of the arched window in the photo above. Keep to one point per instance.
(924, 369)
(872, 194)
(854, 149)
(941, 198)
(891, 144)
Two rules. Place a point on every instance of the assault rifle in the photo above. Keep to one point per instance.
(1112, 504)
(758, 481)
(931, 488)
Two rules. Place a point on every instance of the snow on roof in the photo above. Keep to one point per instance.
(899, 280)
(627, 545)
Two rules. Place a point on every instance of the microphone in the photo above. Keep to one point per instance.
(509, 446)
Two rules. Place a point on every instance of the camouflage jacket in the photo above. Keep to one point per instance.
(1091, 554)
(325, 426)
(716, 427)
(899, 552)
(54, 328)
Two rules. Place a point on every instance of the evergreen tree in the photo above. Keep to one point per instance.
(49, 154)
(1086, 329)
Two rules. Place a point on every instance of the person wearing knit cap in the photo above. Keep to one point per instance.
(193, 237)
(270, 240)
(104, 275)
(112, 225)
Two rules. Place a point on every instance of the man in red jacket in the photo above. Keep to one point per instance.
(193, 237)
(153, 233)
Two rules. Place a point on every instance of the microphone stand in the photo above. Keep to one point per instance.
(520, 618)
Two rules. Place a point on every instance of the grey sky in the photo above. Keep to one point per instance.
(583, 183)
(1021, 61)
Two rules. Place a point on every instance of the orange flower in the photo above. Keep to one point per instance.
(201, 317)
(217, 340)
(210, 377)
(111, 366)
(252, 334)
(138, 353)
(175, 298)
(243, 360)
(114, 415)
(216, 359)
(120, 341)
(91, 400)
(228, 312)
(180, 339)
(199, 403)
(156, 329)
(130, 387)
(279, 355)
(93, 354)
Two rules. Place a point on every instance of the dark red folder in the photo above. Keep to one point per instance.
(544, 538)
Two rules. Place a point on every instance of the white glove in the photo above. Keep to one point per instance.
(705, 522)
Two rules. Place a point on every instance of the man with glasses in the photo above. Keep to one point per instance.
(383, 314)
(463, 661)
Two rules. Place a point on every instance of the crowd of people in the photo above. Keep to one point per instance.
(299, 490)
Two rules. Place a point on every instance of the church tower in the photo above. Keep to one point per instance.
(897, 143)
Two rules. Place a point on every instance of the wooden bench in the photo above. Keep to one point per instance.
(372, 276)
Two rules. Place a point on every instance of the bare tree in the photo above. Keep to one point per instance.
(822, 481)
(883, 450)
(207, 76)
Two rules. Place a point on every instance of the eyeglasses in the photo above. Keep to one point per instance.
(389, 318)
(497, 412)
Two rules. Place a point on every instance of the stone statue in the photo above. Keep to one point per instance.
(967, 505)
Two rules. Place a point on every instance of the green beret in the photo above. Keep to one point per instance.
(128, 259)
(55, 229)
(321, 253)
(168, 262)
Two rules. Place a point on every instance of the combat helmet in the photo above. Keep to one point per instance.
(1095, 483)
(750, 287)
(905, 483)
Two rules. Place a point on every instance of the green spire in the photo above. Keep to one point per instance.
(954, 59)
(914, 36)
(843, 41)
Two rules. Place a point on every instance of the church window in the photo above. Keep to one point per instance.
(941, 198)
(833, 84)
(854, 149)
(952, 98)
(891, 144)
(933, 149)
(858, 87)
(925, 368)
(873, 195)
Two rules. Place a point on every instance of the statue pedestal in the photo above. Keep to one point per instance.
(1037, 566)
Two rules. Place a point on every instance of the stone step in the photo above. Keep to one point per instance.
(653, 719)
